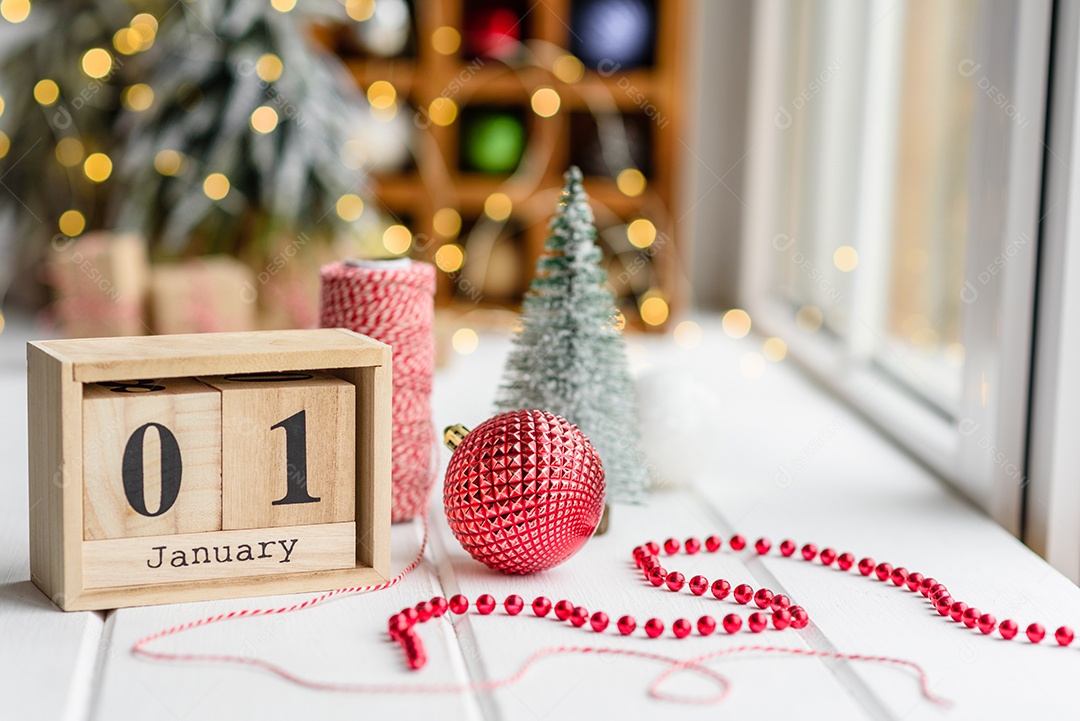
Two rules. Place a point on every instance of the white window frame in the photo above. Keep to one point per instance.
(1053, 493)
(982, 448)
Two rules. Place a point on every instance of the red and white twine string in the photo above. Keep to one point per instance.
(673, 665)
(395, 305)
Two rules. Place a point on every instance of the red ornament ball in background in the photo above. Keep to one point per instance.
(493, 33)
(524, 491)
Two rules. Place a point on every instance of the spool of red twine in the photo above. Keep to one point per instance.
(393, 302)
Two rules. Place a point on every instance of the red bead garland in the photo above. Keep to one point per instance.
(775, 607)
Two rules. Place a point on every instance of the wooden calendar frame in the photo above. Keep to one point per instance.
(56, 372)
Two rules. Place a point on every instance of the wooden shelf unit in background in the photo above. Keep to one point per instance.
(436, 180)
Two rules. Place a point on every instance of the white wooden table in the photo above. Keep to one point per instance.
(845, 487)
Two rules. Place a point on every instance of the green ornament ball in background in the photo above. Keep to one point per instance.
(493, 142)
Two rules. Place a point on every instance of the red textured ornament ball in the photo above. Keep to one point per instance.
(524, 491)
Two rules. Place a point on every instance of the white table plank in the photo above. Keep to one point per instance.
(46, 656)
(342, 641)
(821, 475)
(601, 577)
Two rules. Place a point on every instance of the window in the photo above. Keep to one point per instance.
(892, 215)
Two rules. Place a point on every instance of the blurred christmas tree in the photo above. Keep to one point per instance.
(569, 357)
(213, 132)
(245, 136)
(62, 65)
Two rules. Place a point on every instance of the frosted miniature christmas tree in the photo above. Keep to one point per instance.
(569, 357)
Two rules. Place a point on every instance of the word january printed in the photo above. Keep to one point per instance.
(221, 554)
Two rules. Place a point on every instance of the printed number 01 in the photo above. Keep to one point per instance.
(295, 427)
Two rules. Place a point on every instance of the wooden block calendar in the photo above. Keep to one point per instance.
(193, 467)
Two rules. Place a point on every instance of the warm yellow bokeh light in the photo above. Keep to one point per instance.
(72, 223)
(1, 107)
(96, 62)
(70, 152)
(568, 69)
(654, 310)
(127, 41)
(450, 257)
(264, 119)
(446, 40)
(5, 144)
(269, 67)
(775, 349)
(349, 207)
(447, 222)
(46, 91)
(283, 6)
(465, 341)
(641, 233)
(631, 182)
(360, 10)
(752, 365)
(498, 206)
(145, 19)
(809, 318)
(736, 323)
(545, 102)
(15, 11)
(137, 97)
(216, 186)
(168, 162)
(688, 334)
(381, 94)
(620, 320)
(354, 154)
(97, 167)
(397, 239)
(845, 258)
(442, 111)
